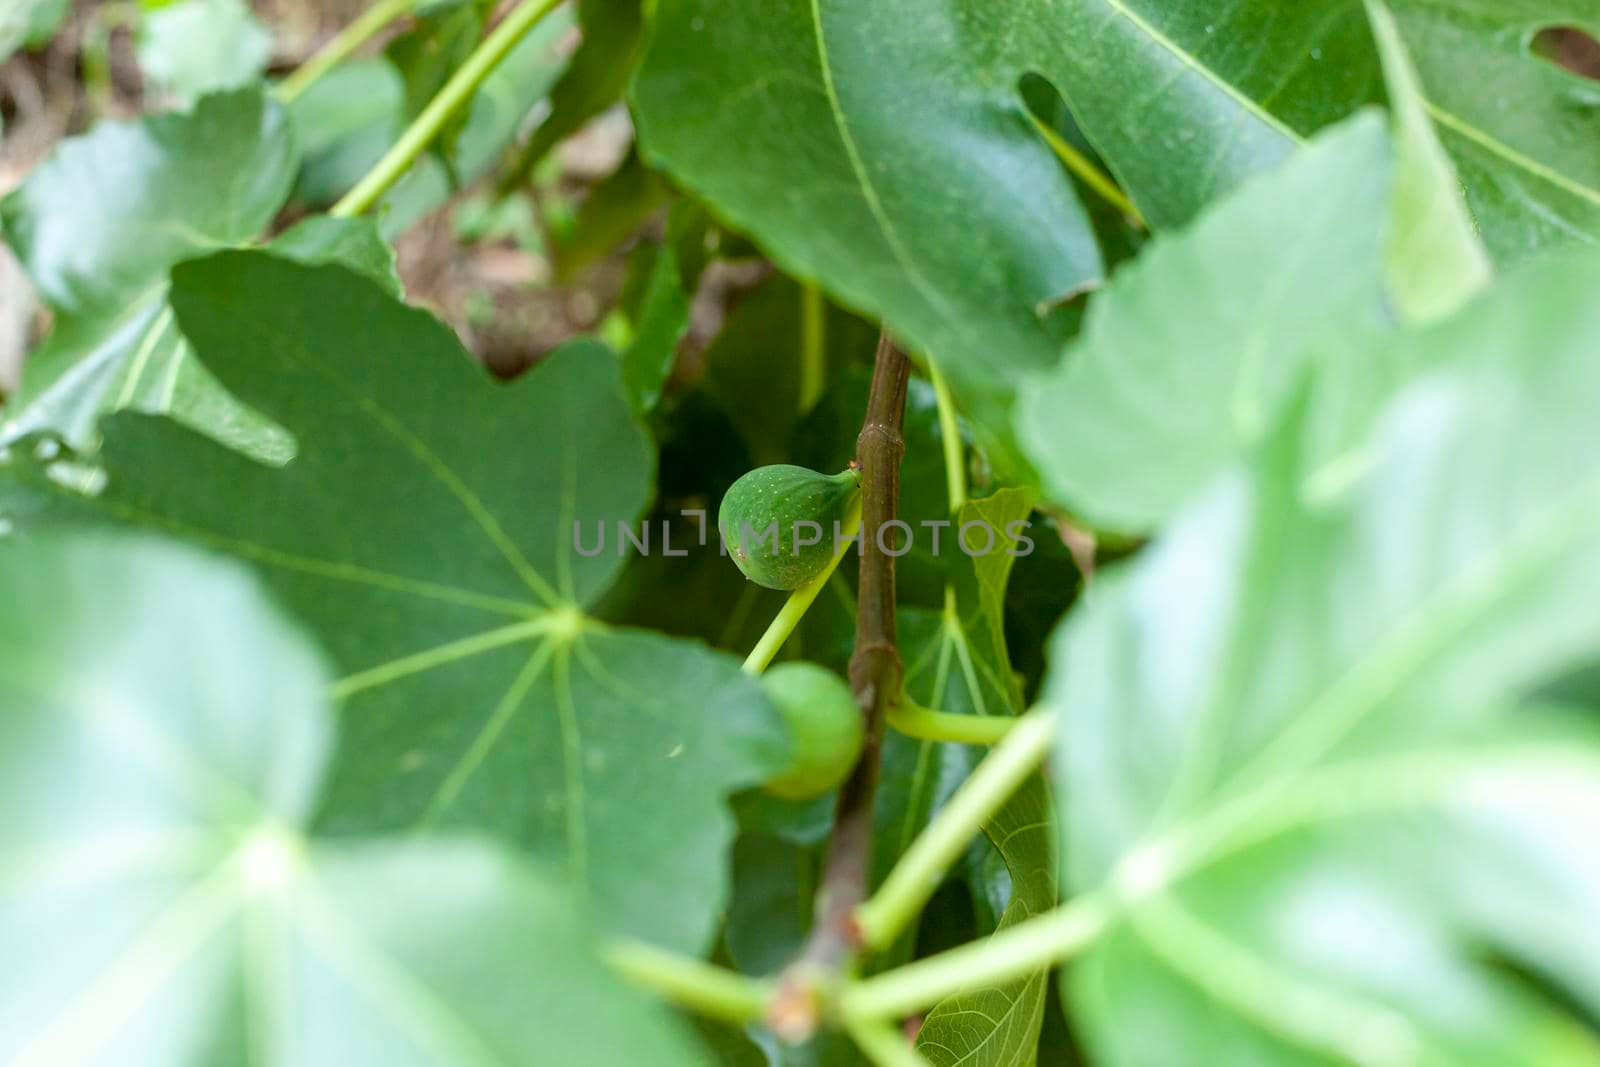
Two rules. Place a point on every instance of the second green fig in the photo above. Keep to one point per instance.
(825, 729)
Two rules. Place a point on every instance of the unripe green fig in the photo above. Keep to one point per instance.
(759, 516)
(824, 724)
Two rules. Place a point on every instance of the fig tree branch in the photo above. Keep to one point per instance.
(875, 670)
(875, 674)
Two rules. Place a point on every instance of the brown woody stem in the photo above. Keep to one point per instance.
(875, 680)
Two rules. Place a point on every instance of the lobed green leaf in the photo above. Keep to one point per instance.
(426, 533)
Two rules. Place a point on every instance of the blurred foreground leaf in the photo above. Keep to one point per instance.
(163, 904)
(1194, 350)
(193, 47)
(1291, 747)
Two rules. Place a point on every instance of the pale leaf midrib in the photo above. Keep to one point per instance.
(440, 471)
(1359, 788)
(1524, 162)
(415, 1010)
(890, 233)
(164, 754)
(572, 767)
(1303, 1013)
(1407, 648)
(331, 569)
(441, 655)
(453, 783)
(102, 1006)
(1191, 61)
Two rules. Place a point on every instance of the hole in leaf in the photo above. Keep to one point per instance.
(1046, 102)
(1573, 50)
(1059, 128)
(1115, 219)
